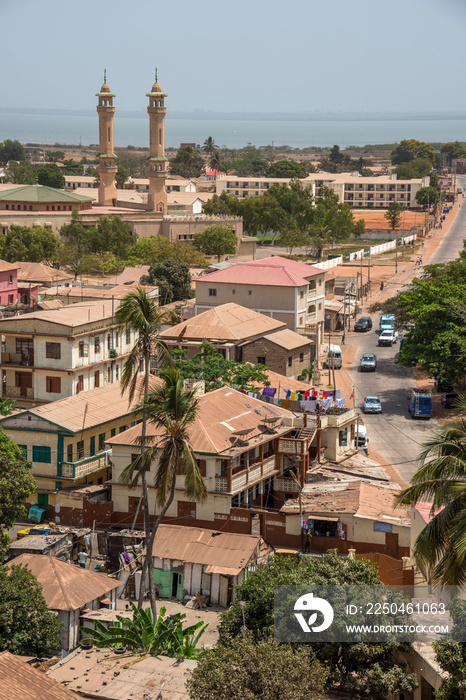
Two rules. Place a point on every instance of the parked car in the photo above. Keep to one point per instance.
(372, 405)
(443, 384)
(387, 322)
(363, 324)
(388, 337)
(449, 399)
(368, 362)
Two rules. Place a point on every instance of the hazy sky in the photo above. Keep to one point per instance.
(242, 55)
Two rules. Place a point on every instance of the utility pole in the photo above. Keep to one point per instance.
(396, 253)
(369, 268)
(362, 293)
(300, 503)
(403, 240)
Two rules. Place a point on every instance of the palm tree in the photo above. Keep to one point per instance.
(209, 146)
(440, 549)
(215, 161)
(172, 411)
(140, 312)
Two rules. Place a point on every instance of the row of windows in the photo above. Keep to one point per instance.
(28, 207)
(53, 350)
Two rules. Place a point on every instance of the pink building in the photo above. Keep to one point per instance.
(8, 283)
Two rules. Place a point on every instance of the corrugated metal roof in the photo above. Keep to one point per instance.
(288, 339)
(5, 266)
(65, 586)
(221, 413)
(38, 272)
(118, 292)
(21, 681)
(40, 193)
(275, 272)
(225, 322)
(225, 552)
(71, 316)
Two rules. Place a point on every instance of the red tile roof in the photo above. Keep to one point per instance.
(275, 271)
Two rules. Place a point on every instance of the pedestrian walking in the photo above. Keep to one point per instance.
(420, 260)
(422, 244)
(381, 286)
(82, 556)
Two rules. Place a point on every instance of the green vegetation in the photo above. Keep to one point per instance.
(218, 239)
(210, 364)
(164, 637)
(27, 626)
(410, 149)
(265, 670)
(289, 168)
(451, 656)
(50, 175)
(394, 214)
(173, 279)
(155, 249)
(426, 196)
(453, 149)
(187, 163)
(24, 244)
(11, 150)
(20, 173)
(359, 669)
(16, 484)
(53, 156)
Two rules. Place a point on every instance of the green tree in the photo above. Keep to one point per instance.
(410, 149)
(359, 669)
(286, 168)
(50, 175)
(187, 163)
(16, 484)
(265, 670)
(250, 161)
(440, 549)
(11, 150)
(76, 239)
(53, 156)
(209, 146)
(20, 173)
(121, 176)
(172, 411)
(210, 364)
(154, 249)
(115, 236)
(414, 169)
(215, 161)
(173, 279)
(23, 244)
(453, 149)
(223, 205)
(426, 196)
(140, 312)
(72, 167)
(164, 637)
(394, 214)
(333, 222)
(27, 626)
(218, 239)
(451, 656)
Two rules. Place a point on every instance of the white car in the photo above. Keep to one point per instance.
(388, 337)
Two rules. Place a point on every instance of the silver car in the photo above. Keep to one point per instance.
(372, 404)
(368, 362)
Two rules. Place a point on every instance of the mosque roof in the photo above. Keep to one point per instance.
(41, 193)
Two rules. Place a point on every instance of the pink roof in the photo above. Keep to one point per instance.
(276, 271)
(425, 511)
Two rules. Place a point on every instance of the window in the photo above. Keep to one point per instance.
(53, 385)
(290, 361)
(10, 298)
(128, 336)
(101, 443)
(249, 292)
(92, 446)
(233, 291)
(58, 486)
(343, 438)
(41, 453)
(302, 295)
(69, 453)
(52, 351)
(97, 344)
(80, 385)
(25, 450)
(117, 337)
(80, 449)
(122, 428)
(42, 500)
(83, 349)
(117, 372)
(109, 341)
(301, 357)
(113, 432)
(212, 292)
(96, 379)
(261, 360)
(10, 279)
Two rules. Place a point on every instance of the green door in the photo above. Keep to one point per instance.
(163, 580)
(179, 587)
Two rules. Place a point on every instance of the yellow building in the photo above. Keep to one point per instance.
(65, 440)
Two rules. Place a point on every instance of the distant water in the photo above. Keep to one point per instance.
(72, 129)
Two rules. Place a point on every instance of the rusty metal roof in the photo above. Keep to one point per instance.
(39, 272)
(65, 586)
(21, 681)
(225, 322)
(71, 316)
(221, 414)
(222, 552)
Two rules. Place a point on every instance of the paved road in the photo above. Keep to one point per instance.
(394, 435)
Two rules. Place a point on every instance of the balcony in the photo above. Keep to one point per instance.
(17, 392)
(19, 358)
(84, 467)
(241, 479)
(311, 292)
(285, 485)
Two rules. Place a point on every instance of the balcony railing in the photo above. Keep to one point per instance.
(83, 467)
(17, 392)
(18, 358)
(285, 485)
(241, 480)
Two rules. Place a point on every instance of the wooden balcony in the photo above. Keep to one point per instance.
(238, 481)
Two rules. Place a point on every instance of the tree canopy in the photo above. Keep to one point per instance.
(265, 670)
(11, 150)
(23, 244)
(173, 279)
(218, 239)
(16, 484)
(152, 249)
(426, 196)
(410, 149)
(50, 175)
(414, 169)
(20, 173)
(187, 162)
(286, 168)
(394, 214)
(210, 364)
(27, 626)
(453, 149)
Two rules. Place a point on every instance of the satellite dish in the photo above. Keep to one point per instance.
(243, 431)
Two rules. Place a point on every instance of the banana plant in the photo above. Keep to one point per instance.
(166, 637)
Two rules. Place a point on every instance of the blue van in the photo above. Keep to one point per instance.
(420, 404)
(387, 322)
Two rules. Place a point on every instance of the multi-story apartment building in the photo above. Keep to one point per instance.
(286, 290)
(358, 192)
(49, 355)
